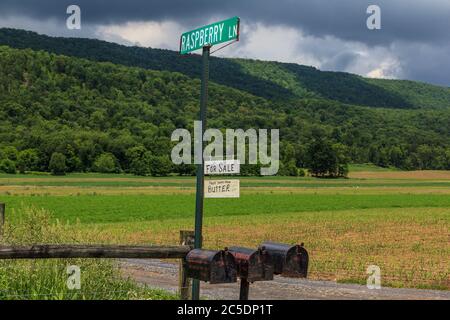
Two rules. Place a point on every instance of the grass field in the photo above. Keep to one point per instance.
(47, 279)
(397, 220)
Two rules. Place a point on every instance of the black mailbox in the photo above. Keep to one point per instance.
(289, 261)
(253, 265)
(212, 266)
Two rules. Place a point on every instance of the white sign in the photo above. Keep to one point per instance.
(222, 167)
(222, 188)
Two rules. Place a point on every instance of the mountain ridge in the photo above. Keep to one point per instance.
(89, 111)
(268, 79)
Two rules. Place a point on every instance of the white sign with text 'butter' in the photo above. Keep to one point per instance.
(222, 188)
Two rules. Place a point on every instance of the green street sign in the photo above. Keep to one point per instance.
(211, 34)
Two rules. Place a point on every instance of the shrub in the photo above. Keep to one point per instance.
(105, 163)
(27, 160)
(160, 165)
(7, 166)
(288, 169)
(140, 166)
(9, 152)
(57, 164)
(139, 160)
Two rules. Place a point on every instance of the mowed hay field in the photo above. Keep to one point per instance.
(399, 221)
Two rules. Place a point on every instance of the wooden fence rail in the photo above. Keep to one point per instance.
(62, 251)
(93, 251)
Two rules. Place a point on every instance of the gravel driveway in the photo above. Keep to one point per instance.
(164, 275)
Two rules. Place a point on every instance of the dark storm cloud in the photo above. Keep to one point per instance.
(411, 20)
(341, 61)
(415, 32)
(425, 62)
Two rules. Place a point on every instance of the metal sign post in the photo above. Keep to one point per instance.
(205, 37)
(200, 167)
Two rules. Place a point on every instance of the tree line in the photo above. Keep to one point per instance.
(267, 79)
(63, 114)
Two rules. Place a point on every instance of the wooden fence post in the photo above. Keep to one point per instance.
(244, 288)
(2, 218)
(186, 239)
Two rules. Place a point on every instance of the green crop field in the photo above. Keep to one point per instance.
(113, 208)
(399, 221)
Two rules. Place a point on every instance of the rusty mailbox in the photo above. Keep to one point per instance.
(212, 266)
(253, 265)
(288, 260)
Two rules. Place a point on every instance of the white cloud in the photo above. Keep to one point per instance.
(271, 43)
(148, 34)
(280, 43)
(286, 44)
(400, 59)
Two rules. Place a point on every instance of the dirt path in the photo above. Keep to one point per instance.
(160, 274)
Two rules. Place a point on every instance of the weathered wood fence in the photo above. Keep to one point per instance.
(65, 251)
(223, 266)
(93, 251)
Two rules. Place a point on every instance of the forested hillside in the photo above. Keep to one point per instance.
(58, 111)
(270, 80)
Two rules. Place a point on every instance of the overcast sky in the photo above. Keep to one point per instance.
(413, 43)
